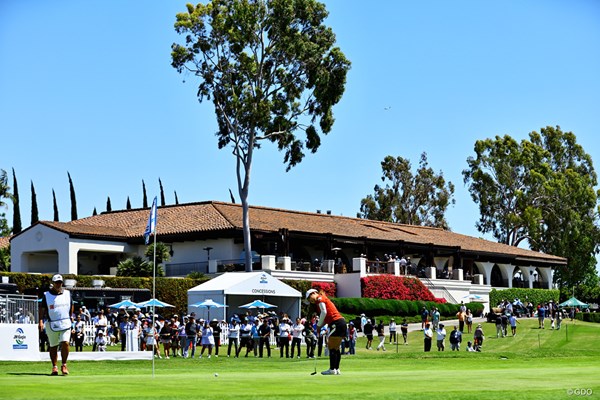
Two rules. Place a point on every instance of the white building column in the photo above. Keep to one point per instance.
(440, 262)
(507, 273)
(286, 262)
(547, 274)
(359, 264)
(68, 265)
(487, 270)
(528, 275)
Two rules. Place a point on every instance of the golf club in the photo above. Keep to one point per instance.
(315, 372)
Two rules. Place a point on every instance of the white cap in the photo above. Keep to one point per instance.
(57, 277)
(309, 292)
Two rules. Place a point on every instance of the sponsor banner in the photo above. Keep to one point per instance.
(20, 342)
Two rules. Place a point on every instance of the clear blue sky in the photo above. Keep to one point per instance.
(87, 87)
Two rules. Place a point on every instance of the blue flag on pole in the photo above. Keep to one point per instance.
(151, 226)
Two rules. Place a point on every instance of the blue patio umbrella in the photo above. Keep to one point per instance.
(258, 304)
(208, 304)
(474, 297)
(154, 303)
(124, 304)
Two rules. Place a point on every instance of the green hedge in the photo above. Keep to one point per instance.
(399, 308)
(169, 290)
(588, 317)
(535, 296)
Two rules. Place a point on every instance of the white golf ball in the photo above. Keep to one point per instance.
(216, 374)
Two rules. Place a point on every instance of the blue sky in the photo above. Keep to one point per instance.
(87, 87)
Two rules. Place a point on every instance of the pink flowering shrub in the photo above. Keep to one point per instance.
(328, 288)
(396, 287)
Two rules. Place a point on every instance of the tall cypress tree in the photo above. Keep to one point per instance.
(128, 206)
(176, 199)
(94, 213)
(145, 201)
(162, 193)
(55, 206)
(34, 207)
(73, 199)
(17, 227)
(108, 206)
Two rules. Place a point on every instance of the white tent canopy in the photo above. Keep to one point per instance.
(238, 288)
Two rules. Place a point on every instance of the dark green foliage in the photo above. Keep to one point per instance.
(108, 205)
(162, 193)
(176, 199)
(73, 199)
(588, 317)
(398, 308)
(162, 252)
(540, 191)
(94, 212)
(145, 196)
(535, 296)
(137, 266)
(4, 256)
(4, 229)
(55, 206)
(419, 199)
(35, 217)
(17, 226)
(196, 275)
(128, 205)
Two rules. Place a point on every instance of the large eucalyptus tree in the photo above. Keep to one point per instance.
(272, 72)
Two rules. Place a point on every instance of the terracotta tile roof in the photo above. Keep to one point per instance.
(213, 216)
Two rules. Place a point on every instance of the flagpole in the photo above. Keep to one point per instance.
(154, 296)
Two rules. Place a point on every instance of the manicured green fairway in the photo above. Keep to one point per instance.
(536, 364)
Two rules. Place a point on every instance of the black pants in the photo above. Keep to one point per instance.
(123, 340)
(461, 326)
(427, 343)
(393, 338)
(264, 341)
(79, 337)
(233, 341)
(246, 342)
(319, 345)
(296, 344)
(217, 344)
(311, 343)
(284, 342)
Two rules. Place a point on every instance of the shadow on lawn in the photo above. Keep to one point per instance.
(28, 373)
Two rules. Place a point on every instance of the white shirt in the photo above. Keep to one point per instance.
(297, 330)
(284, 329)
